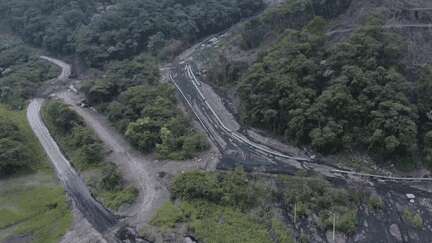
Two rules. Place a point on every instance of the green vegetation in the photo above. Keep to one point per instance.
(225, 71)
(376, 203)
(26, 152)
(413, 218)
(424, 101)
(291, 14)
(219, 207)
(351, 96)
(100, 30)
(213, 223)
(144, 110)
(14, 155)
(281, 234)
(31, 202)
(85, 152)
(21, 72)
(308, 196)
(40, 211)
(79, 143)
(235, 207)
(230, 189)
(167, 216)
(149, 117)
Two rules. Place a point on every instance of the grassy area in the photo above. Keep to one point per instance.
(214, 223)
(86, 153)
(31, 202)
(236, 207)
(115, 199)
(222, 207)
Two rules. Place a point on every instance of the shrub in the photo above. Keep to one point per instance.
(167, 216)
(413, 218)
(376, 203)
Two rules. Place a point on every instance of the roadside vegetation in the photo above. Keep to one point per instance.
(236, 207)
(86, 153)
(21, 71)
(32, 203)
(144, 110)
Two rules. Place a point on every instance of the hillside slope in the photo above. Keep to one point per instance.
(297, 79)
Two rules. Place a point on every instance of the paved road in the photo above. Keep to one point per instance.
(99, 217)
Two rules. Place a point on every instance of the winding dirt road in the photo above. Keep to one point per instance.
(133, 165)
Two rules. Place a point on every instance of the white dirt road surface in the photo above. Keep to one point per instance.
(134, 166)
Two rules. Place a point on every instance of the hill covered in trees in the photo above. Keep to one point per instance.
(102, 30)
(334, 94)
(354, 94)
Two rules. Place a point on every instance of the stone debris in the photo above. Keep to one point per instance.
(410, 196)
(395, 232)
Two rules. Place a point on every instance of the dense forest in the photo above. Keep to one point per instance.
(102, 30)
(354, 95)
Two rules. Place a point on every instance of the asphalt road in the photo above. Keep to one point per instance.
(99, 217)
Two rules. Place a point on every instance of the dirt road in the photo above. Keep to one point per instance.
(135, 168)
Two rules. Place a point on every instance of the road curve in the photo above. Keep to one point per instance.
(99, 217)
(132, 164)
(66, 68)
